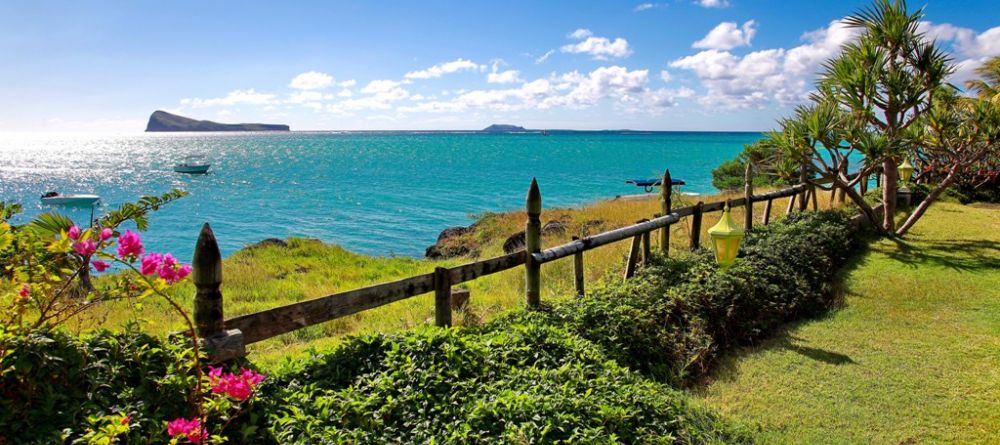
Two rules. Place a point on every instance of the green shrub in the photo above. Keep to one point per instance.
(673, 319)
(53, 381)
(526, 383)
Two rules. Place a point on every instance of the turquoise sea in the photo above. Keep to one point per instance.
(382, 193)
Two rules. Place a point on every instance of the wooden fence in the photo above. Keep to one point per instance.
(227, 339)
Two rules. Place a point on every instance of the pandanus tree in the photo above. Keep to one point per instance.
(880, 86)
(956, 136)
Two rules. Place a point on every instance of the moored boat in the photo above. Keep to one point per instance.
(195, 165)
(70, 199)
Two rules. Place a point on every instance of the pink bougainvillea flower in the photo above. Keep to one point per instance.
(25, 291)
(150, 263)
(129, 245)
(74, 232)
(188, 429)
(85, 248)
(106, 234)
(238, 386)
(99, 265)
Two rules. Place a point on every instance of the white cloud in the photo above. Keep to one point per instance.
(380, 86)
(302, 97)
(236, 97)
(347, 83)
(644, 6)
(713, 3)
(545, 56)
(601, 48)
(762, 77)
(311, 80)
(345, 93)
(442, 69)
(728, 35)
(972, 48)
(508, 76)
(665, 75)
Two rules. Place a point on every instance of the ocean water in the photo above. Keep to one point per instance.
(374, 193)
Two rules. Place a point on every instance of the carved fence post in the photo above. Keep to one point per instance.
(442, 297)
(666, 192)
(533, 244)
(696, 226)
(748, 195)
(578, 270)
(208, 314)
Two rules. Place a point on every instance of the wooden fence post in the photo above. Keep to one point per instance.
(533, 244)
(815, 200)
(696, 226)
(646, 249)
(767, 211)
(442, 297)
(666, 192)
(803, 179)
(633, 257)
(791, 204)
(209, 318)
(578, 270)
(748, 195)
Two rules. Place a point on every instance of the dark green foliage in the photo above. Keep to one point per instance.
(678, 314)
(52, 381)
(524, 383)
(731, 174)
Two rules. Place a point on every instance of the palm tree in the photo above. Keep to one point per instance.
(987, 88)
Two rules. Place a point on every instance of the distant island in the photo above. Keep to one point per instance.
(501, 128)
(163, 121)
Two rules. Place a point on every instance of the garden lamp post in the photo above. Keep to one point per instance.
(726, 237)
(905, 174)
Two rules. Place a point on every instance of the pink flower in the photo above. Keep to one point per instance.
(150, 263)
(106, 234)
(189, 429)
(129, 244)
(25, 291)
(99, 265)
(126, 420)
(239, 387)
(74, 232)
(85, 248)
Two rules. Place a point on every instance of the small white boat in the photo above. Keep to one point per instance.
(195, 165)
(83, 200)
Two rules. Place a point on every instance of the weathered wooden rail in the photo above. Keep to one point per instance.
(228, 338)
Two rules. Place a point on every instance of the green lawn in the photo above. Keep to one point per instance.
(912, 356)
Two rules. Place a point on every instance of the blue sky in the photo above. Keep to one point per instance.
(672, 65)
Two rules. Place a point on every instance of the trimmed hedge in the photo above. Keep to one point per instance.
(674, 318)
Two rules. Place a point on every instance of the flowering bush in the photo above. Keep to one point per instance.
(46, 280)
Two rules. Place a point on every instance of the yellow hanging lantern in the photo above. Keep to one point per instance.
(726, 237)
(906, 171)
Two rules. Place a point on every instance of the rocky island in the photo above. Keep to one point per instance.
(163, 121)
(502, 128)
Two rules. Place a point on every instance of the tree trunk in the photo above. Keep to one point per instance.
(860, 202)
(889, 187)
(925, 204)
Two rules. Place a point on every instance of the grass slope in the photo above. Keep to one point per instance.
(912, 357)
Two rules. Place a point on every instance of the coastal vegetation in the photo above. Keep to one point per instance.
(880, 339)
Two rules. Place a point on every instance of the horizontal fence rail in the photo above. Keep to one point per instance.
(251, 328)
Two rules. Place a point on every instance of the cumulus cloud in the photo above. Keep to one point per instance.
(762, 77)
(713, 3)
(443, 68)
(497, 76)
(236, 97)
(347, 83)
(728, 35)
(665, 75)
(971, 49)
(644, 6)
(601, 48)
(311, 80)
